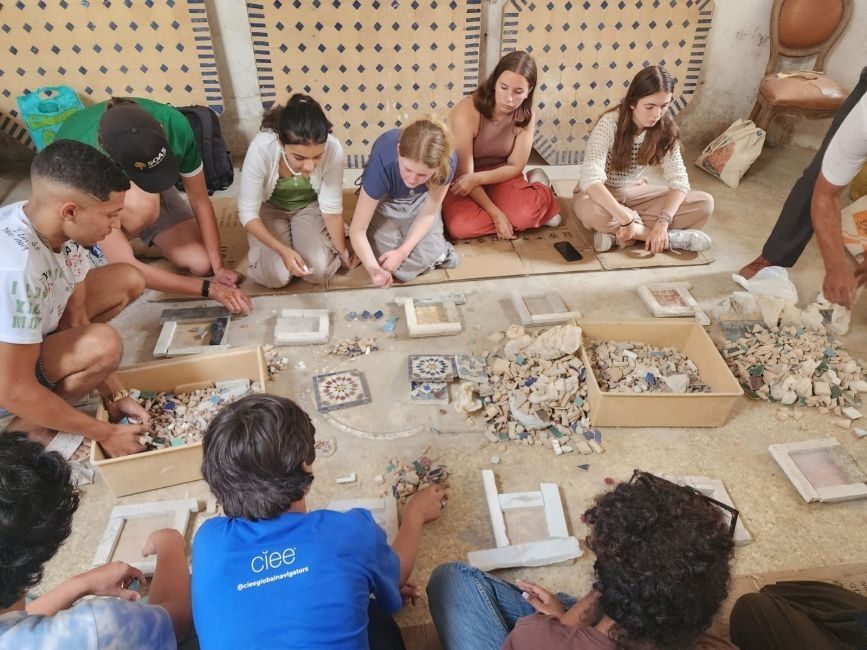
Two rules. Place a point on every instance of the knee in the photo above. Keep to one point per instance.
(444, 575)
(320, 275)
(591, 214)
(132, 279)
(106, 346)
(199, 265)
(144, 205)
(703, 205)
(747, 609)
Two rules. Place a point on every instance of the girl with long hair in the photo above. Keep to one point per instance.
(397, 227)
(493, 131)
(291, 197)
(614, 200)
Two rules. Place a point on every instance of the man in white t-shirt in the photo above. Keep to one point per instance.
(846, 154)
(77, 195)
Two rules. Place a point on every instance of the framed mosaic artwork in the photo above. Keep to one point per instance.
(339, 390)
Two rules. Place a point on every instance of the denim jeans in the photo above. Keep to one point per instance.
(473, 610)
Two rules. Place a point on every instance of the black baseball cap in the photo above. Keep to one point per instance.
(136, 141)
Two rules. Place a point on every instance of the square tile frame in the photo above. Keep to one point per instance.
(447, 359)
(318, 397)
(558, 313)
(782, 453)
(284, 335)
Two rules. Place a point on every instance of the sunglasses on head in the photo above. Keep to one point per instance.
(652, 478)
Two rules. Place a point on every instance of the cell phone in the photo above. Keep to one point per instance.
(568, 251)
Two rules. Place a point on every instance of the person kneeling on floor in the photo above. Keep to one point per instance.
(613, 199)
(662, 572)
(37, 503)
(270, 574)
(77, 195)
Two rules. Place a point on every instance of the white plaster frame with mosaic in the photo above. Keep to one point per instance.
(164, 347)
(559, 547)
(782, 453)
(558, 313)
(384, 509)
(119, 516)
(715, 489)
(284, 334)
(452, 324)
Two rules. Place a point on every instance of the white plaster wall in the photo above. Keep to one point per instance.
(735, 62)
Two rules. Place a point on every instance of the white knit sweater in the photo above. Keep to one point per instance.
(261, 169)
(596, 166)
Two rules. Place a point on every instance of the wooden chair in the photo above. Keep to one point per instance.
(801, 29)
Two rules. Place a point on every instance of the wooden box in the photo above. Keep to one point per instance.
(662, 409)
(161, 468)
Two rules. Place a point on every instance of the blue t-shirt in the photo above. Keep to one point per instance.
(296, 581)
(96, 624)
(382, 174)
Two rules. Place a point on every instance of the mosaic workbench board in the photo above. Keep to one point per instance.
(159, 49)
(371, 63)
(588, 51)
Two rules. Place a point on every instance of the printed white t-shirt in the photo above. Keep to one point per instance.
(847, 151)
(35, 282)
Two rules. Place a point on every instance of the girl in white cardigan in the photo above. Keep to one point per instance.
(614, 199)
(291, 197)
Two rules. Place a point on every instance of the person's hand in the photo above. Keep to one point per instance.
(122, 440)
(463, 185)
(410, 593)
(391, 260)
(542, 600)
(348, 259)
(235, 300)
(159, 539)
(112, 579)
(657, 239)
(380, 277)
(129, 408)
(227, 277)
(839, 285)
(426, 505)
(294, 263)
(504, 227)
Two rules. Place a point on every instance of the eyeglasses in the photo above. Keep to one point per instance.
(652, 478)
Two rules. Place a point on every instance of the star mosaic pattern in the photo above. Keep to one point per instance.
(431, 367)
(339, 390)
(587, 52)
(159, 49)
(372, 64)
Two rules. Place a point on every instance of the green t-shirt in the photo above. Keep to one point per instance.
(293, 193)
(83, 126)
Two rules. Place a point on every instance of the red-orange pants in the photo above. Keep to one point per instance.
(527, 205)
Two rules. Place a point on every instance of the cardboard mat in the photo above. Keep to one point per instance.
(158, 50)
(587, 56)
(485, 257)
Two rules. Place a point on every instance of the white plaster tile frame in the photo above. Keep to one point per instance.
(163, 347)
(559, 547)
(715, 489)
(284, 334)
(662, 311)
(559, 311)
(384, 509)
(451, 326)
(119, 514)
(782, 453)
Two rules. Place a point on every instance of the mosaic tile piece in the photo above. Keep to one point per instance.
(339, 390)
(431, 367)
(429, 392)
(472, 368)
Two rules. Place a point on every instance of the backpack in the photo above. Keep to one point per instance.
(217, 161)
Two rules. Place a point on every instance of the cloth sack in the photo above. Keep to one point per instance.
(45, 109)
(729, 156)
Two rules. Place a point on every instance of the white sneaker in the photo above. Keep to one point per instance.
(538, 175)
(689, 240)
(554, 221)
(602, 241)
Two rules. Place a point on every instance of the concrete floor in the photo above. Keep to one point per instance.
(787, 533)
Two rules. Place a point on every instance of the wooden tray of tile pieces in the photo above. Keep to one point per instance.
(588, 51)
(371, 64)
(159, 49)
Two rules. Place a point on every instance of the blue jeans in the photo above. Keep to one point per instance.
(473, 609)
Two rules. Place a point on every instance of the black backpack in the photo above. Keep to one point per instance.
(219, 172)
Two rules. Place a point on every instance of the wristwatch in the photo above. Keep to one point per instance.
(115, 397)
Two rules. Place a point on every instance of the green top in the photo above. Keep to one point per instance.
(292, 193)
(83, 126)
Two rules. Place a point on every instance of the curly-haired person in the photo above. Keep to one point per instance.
(662, 572)
(36, 507)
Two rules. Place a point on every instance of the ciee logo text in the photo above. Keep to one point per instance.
(272, 560)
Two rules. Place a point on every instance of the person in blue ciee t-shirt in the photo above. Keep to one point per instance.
(270, 574)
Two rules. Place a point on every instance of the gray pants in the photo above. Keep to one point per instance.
(794, 227)
(388, 229)
(304, 231)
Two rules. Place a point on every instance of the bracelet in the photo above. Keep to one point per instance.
(115, 397)
(206, 288)
(666, 217)
(629, 223)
